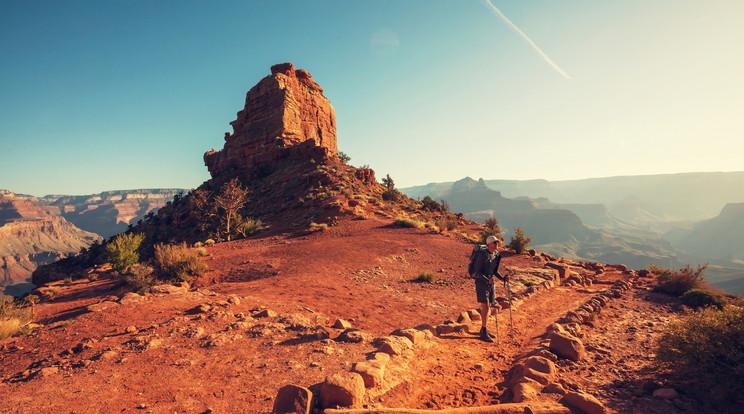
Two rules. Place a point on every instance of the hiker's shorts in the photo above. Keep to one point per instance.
(485, 292)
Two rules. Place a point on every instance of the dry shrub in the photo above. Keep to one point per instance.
(709, 348)
(14, 319)
(408, 222)
(678, 282)
(427, 277)
(178, 262)
(139, 277)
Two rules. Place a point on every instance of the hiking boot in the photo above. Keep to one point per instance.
(486, 336)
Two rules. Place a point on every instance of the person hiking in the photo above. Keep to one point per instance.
(486, 271)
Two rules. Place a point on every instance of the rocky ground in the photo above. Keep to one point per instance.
(281, 310)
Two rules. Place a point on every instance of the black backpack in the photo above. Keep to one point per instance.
(476, 249)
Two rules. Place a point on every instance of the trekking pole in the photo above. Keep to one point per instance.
(496, 317)
(511, 321)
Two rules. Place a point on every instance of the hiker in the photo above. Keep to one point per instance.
(486, 270)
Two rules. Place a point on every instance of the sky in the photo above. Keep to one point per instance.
(128, 94)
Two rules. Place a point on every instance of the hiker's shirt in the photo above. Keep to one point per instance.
(487, 265)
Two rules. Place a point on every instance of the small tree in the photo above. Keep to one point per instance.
(230, 201)
(491, 228)
(121, 251)
(344, 158)
(519, 241)
(430, 204)
(388, 182)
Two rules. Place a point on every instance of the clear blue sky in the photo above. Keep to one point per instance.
(107, 95)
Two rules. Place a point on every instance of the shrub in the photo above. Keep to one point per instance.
(178, 262)
(519, 241)
(430, 204)
(198, 244)
(408, 222)
(14, 319)
(446, 222)
(209, 242)
(249, 227)
(139, 277)
(700, 298)
(320, 227)
(680, 281)
(67, 280)
(707, 347)
(491, 228)
(391, 195)
(343, 158)
(121, 251)
(427, 277)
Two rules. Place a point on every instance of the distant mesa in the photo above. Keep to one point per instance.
(285, 109)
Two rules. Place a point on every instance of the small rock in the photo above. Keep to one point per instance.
(567, 346)
(585, 402)
(342, 324)
(666, 394)
(266, 313)
(131, 329)
(292, 399)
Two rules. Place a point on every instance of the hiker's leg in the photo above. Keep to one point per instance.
(484, 314)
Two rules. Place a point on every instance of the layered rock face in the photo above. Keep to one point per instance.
(286, 109)
(30, 237)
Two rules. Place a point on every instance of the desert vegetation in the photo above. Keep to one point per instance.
(178, 262)
(678, 282)
(519, 241)
(491, 228)
(708, 347)
(15, 316)
(122, 250)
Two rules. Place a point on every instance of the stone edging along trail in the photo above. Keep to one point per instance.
(534, 367)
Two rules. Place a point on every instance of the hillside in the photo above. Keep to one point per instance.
(269, 322)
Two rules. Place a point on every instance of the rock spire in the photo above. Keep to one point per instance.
(285, 109)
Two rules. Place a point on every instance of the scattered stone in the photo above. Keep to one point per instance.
(101, 306)
(293, 399)
(445, 329)
(464, 318)
(110, 354)
(371, 372)
(318, 333)
(48, 371)
(233, 299)
(474, 315)
(539, 369)
(414, 335)
(585, 402)
(354, 336)
(342, 324)
(555, 388)
(131, 329)
(666, 394)
(169, 289)
(131, 298)
(523, 392)
(566, 345)
(266, 313)
(296, 322)
(393, 345)
(427, 328)
(342, 390)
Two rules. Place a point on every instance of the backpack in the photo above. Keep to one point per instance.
(476, 249)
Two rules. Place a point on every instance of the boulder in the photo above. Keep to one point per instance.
(567, 346)
(131, 298)
(464, 318)
(414, 335)
(539, 369)
(293, 399)
(523, 391)
(585, 402)
(342, 390)
(372, 372)
(342, 324)
(393, 345)
(168, 289)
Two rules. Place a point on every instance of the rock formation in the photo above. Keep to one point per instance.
(30, 237)
(283, 110)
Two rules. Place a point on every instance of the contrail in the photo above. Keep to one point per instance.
(524, 36)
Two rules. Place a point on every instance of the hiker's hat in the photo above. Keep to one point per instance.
(492, 239)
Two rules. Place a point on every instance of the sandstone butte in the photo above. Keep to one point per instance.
(284, 109)
(304, 320)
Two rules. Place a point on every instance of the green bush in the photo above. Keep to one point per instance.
(139, 277)
(519, 241)
(677, 282)
(178, 262)
(320, 227)
(491, 228)
(121, 251)
(709, 348)
(699, 298)
(427, 277)
(391, 195)
(430, 204)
